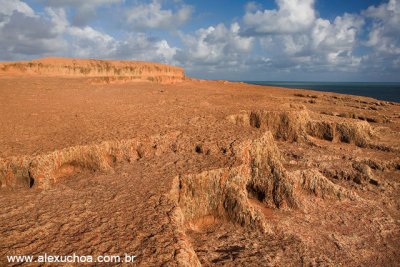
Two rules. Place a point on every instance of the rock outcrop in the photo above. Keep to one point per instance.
(100, 71)
(298, 125)
(44, 170)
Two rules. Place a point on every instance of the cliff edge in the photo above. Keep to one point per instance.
(101, 71)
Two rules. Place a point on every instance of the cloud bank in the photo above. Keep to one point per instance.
(290, 41)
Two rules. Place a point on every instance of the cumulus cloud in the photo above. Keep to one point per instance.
(153, 16)
(142, 47)
(89, 42)
(290, 17)
(24, 33)
(9, 7)
(79, 3)
(82, 41)
(385, 32)
(383, 40)
(291, 39)
(295, 39)
(340, 35)
(84, 11)
(217, 47)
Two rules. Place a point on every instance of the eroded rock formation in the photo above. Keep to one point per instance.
(100, 71)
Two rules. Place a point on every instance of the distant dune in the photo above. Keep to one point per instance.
(102, 71)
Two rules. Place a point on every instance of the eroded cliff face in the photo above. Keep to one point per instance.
(100, 71)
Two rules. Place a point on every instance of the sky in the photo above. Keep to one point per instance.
(281, 40)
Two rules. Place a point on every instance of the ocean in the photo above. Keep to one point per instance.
(381, 91)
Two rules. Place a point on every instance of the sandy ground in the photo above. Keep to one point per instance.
(152, 206)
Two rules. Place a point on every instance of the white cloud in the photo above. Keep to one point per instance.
(24, 33)
(79, 3)
(165, 51)
(89, 42)
(294, 39)
(291, 39)
(252, 6)
(142, 47)
(340, 35)
(153, 16)
(290, 17)
(382, 40)
(215, 45)
(385, 32)
(8, 7)
(82, 41)
(84, 10)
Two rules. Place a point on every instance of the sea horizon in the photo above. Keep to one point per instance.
(386, 91)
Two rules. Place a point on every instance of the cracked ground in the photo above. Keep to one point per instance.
(197, 173)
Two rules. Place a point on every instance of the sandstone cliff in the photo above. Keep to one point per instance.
(100, 71)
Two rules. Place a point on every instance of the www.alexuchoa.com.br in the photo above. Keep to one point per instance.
(47, 258)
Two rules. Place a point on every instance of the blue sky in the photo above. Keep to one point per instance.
(285, 40)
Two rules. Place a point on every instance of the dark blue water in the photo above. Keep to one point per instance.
(381, 91)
